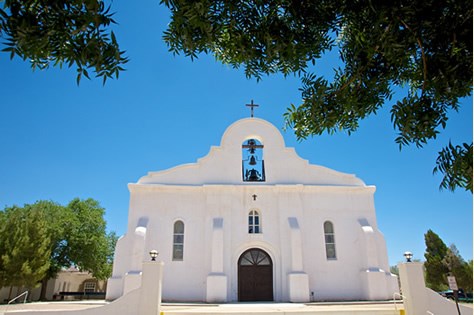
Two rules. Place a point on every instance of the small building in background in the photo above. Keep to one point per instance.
(69, 284)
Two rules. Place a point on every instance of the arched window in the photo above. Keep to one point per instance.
(329, 240)
(254, 222)
(178, 240)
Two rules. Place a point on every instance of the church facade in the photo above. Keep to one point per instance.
(252, 221)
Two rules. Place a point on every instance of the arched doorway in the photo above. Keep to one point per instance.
(255, 275)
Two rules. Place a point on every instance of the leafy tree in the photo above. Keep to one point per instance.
(59, 218)
(3, 226)
(80, 239)
(458, 268)
(383, 45)
(469, 272)
(442, 261)
(88, 242)
(25, 250)
(38, 240)
(436, 269)
(73, 32)
(107, 267)
(455, 162)
(394, 270)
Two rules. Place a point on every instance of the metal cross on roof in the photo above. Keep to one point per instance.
(251, 105)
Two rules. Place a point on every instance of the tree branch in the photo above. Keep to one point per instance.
(423, 57)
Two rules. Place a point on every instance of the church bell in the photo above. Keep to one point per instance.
(252, 160)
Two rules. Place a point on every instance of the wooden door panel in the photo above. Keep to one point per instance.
(255, 283)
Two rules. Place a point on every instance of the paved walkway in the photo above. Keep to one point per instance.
(49, 306)
(286, 308)
(353, 308)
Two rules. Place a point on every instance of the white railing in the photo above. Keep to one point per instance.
(19, 296)
(396, 294)
(25, 294)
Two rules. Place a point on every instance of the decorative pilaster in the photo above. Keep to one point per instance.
(216, 289)
(298, 281)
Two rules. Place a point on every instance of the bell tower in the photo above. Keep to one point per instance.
(253, 165)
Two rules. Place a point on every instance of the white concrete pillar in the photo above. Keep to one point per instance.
(150, 295)
(369, 244)
(412, 281)
(138, 249)
(419, 300)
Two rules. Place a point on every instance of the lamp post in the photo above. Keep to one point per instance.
(153, 254)
(408, 256)
(149, 302)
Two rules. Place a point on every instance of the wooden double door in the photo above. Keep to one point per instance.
(255, 275)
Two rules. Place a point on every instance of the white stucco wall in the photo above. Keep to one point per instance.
(294, 202)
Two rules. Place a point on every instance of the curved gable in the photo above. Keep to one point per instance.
(223, 164)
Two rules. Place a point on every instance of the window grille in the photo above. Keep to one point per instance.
(330, 241)
(254, 222)
(178, 241)
(89, 286)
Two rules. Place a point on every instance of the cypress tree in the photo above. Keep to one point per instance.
(436, 269)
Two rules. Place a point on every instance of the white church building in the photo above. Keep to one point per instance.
(253, 221)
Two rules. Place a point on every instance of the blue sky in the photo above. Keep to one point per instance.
(59, 141)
